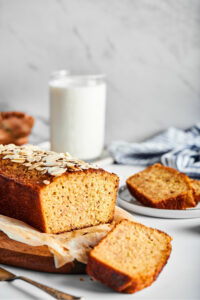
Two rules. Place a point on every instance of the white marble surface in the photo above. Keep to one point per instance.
(178, 280)
(149, 49)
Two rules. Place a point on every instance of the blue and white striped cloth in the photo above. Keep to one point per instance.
(174, 147)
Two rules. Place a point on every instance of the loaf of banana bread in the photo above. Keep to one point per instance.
(54, 192)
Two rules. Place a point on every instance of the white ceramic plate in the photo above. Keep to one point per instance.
(126, 200)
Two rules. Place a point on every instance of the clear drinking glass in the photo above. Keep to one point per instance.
(77, 114)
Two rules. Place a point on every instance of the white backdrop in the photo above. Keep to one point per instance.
(149, 49)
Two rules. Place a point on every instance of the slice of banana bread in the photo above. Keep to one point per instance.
(162, 187)
(130, 257)
(54, 192)
(196, 186)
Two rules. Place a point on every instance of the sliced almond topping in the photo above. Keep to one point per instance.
(49, 162)
(46, 182)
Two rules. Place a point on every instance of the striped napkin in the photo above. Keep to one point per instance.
(174, 147)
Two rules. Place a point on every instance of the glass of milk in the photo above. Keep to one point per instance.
(77, 114)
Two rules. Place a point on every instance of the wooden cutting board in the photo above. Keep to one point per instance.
(35, 258)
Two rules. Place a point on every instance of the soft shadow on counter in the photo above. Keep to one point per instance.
(22, 291)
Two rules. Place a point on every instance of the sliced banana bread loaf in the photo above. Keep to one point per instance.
(54, 192)
(130, 257)
(162, 187)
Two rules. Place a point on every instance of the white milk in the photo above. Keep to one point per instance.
(77, 112)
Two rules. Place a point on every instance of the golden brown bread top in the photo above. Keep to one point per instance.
(31, 165)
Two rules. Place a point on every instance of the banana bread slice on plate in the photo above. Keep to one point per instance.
(162, 187)
(130, 257)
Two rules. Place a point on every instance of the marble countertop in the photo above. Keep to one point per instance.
(178, 280)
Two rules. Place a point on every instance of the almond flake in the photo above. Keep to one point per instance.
(46, 182)
(19, 161)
